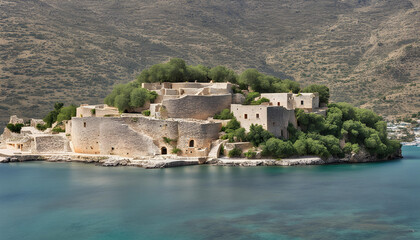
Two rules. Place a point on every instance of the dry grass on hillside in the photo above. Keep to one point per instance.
(367, 51)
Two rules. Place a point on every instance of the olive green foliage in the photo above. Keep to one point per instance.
(59, 114)
(359, 127)
(258, 135)
(41, 127)
(278, 148)
(58, 129)
(260, 82)
(15, 127)
(224, 114)
(222, 74)
(324, 92)
(233, 124)
(169, 140)
(52, 116)
(250, 97)
(176, 151)
(237, 135)
(236, 152)
(128, 96)
(259, 101)
(250, 154)
(93, 111)
(146, 112)
(66, 113)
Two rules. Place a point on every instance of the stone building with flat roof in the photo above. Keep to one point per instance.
(274, 119)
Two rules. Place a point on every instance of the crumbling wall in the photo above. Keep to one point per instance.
(50, 144)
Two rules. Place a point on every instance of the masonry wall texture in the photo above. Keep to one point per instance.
(50, 144)
(310, 101)
(272, 118)
(198, 107)
(280, 99)
(141, 136)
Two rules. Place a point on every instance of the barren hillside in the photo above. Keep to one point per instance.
(366, 51)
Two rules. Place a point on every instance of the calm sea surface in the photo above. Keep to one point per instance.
(40, 200)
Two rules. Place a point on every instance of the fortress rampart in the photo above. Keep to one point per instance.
(142, 136)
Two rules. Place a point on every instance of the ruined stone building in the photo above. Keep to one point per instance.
(180, 122)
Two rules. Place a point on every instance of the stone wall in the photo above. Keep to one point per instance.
(250, 114)
(307, 101)
(14, 120)
(200, 134)
(198, 107)
(142, 136)
(278, 119)
(35, 122)
(54, 143)
(280, 99)
(272, 118)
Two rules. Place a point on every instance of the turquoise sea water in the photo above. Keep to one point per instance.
(40, 200)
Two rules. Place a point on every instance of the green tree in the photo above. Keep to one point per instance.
(138, 97)
(277, 148)
(324, 92)
(258, 135)
(66, 113)
(222, 74)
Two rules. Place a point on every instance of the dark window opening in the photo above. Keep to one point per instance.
(191, 143)
(112, 149)
(258, 115)
(278, 103)
(246, 116)
(84, 124)
(301, 102)
(164, 151)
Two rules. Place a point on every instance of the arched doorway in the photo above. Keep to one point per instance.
(191, 143)
(164, 151)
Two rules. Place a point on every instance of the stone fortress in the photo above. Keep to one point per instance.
(180, 123)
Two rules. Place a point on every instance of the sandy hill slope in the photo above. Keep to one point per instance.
(366, 51)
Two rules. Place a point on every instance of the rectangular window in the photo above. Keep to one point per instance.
(246, 116)
(84, 124)
(278, 103)
(301, 102)
(258, 115)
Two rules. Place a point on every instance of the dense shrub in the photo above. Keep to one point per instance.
(176, 151)
(66, 113)
(250, 154)
(58, 129)
(278, 148)
(236, 152)
(233, 124)
(52, 116)
(128, 96)
(224, 114)
(324, 92)
(15, 127)
(41, 127)
(257, 135)
(146, 112)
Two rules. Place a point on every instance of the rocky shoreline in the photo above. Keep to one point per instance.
(175, 161)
